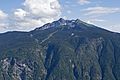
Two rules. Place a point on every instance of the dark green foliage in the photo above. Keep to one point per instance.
(62, 52)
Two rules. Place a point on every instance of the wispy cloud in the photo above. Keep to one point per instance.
(3, 15)
(82, 2)
(97, 20)
(100, 10)
(69, 11)
(94, 20)
(3, 19)
(115, 28)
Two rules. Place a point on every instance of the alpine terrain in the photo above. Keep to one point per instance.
(61, 50)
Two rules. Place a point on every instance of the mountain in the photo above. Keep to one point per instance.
(61, 50)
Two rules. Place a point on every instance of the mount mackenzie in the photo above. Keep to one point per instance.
(61, 50)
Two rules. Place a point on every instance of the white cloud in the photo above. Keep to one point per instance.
(115, 28)
(36, 13)
(3, 19)
(20, 13)
(3, 15)
(3, 27)
(93, 21)
(100, 10)
(82, 2)
(28, 23)
(97, 20)
(32, 14)
(43, 8)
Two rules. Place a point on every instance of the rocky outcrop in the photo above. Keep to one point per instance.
(69, 50)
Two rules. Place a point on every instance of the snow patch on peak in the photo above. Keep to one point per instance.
(62, 22)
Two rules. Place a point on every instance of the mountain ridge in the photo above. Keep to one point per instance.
(61, 50)
(61, 22)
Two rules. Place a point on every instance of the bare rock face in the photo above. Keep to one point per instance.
(62, 50)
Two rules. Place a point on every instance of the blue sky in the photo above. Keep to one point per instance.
(26, 15)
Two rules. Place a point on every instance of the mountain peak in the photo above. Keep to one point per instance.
(61, 22)
(78, 20)
(68, 46)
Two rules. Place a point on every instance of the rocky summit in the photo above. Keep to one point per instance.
(61, 50)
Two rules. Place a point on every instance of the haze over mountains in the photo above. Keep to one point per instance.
(61, 50)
